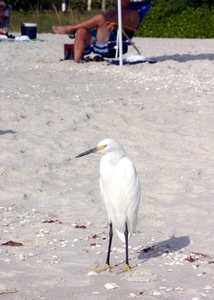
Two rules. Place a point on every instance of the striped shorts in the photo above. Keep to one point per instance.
(101, 49)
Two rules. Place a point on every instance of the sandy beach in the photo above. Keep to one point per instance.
(162, 114)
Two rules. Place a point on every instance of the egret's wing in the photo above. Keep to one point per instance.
(130, 193)
(121, 193)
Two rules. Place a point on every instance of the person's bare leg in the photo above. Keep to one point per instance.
(83, 38)
(98, 21)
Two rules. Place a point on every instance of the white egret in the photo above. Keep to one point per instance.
(120, 190)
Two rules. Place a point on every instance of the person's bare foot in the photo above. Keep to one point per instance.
(62, 29)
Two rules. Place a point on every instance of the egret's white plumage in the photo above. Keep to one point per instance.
(120, 189)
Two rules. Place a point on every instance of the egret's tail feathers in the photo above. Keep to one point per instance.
(121, 235)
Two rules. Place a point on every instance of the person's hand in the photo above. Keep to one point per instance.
(110, 26)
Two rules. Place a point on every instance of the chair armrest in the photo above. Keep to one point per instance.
(114, 24)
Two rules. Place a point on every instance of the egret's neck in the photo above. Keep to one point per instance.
(109, 160)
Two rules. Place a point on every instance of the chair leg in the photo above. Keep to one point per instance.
(116, 53)
(132, 43)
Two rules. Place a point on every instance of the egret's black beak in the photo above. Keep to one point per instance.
(93, 150)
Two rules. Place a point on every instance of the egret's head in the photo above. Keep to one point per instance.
(108, 145)
(105, 146)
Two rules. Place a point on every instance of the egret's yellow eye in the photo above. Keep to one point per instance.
(101, 147)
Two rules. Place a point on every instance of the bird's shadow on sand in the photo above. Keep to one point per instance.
(170, 245)
(184, 57)
(6, 131)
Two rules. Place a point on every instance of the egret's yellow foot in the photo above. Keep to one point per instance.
(125, 268)
(104, 268)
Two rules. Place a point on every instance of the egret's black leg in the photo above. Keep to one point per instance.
(126, 233)
(109, 244)
(107, 265)
(126, 267)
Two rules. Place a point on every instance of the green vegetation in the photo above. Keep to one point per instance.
(179, 19)
(46, 19)
(167, 18)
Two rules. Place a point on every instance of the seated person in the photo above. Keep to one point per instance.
(4, 13)
(102, 23)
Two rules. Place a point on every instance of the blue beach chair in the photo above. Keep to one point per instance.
(111, 50)
(127, 32)
(5, 22)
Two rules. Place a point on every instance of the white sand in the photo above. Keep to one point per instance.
(163, 116)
